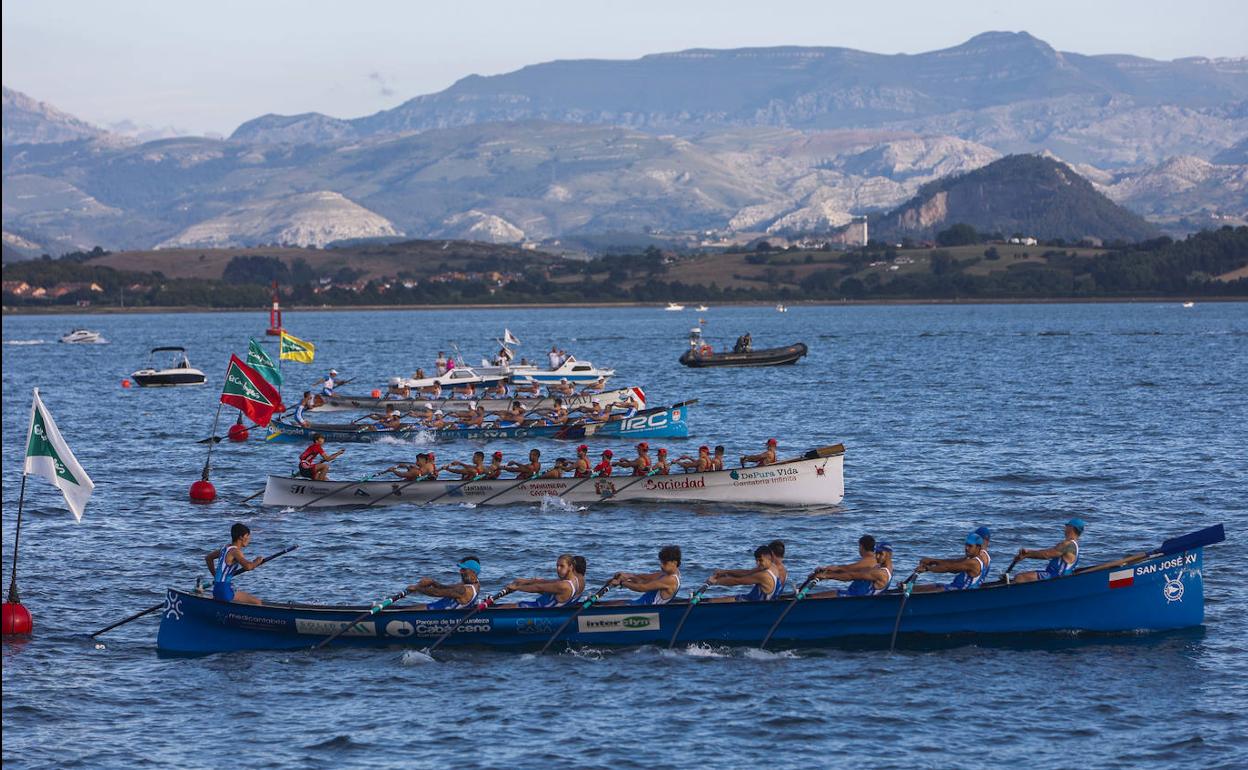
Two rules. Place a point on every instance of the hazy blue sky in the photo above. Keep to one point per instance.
(209, 66)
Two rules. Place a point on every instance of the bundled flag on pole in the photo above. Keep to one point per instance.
(509, 338)
(48, 456)
(259, 360)
(294, 349)
(250, 393)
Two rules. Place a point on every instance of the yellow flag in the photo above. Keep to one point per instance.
(295, 349)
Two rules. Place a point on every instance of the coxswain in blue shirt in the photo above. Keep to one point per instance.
(655, 587)
(1063, 557)
(968, 571)
(455, 596)
(563, 590)
(764, 580)
(227, 562)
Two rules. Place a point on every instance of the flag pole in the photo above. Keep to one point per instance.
(208, 462)
(21, 499)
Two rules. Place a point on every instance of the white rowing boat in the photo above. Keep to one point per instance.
(816, 479)
(454, 405)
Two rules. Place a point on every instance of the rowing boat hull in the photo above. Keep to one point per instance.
(458, 405)
(1165, 593)
(802, 483)
(668, 422)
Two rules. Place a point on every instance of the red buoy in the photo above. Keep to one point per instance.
(17, 620)
(237, 432)
(125, 383)
(376, 393)
(203, 491)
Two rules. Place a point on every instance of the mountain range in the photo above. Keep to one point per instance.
(771, 140)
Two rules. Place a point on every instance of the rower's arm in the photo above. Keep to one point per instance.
(846, 572)
(538, 586)
(969, 565)
(242, 561)
(651, 582)
(211, 560)
(749, 579)
(1045, 553)
(440, 591)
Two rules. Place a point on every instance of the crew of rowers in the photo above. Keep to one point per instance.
(500, 389)
(516, 415)
(871, 574)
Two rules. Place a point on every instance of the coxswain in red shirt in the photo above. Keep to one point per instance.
(309, 468)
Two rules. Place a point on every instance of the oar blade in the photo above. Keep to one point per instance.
(1201, 537)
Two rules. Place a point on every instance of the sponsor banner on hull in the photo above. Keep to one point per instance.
(330, 627)
(638, 621)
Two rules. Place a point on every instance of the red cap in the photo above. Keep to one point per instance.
(498, 454)
(662, 450)
(608, 453)
(704, 448)
(583, 448)
(431, 455)
(643, 446)
(771, 442)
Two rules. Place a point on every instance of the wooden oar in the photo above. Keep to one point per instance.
(1006, 575)
(591, 601)
(315, 500)
(694, 598)
(907, 586)
(802, 590)
(378, 607)
(155, 607)
(621, 489)
(486, 604)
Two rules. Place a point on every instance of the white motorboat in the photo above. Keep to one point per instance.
(180, 371)
(572, 370)
(781, 308)
(446, 383)
(84, 337)
(1185, 304)
(673, 306)
(702, 308)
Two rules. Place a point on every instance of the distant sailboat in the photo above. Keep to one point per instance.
(1189, 304)
(702, 308)
(674, 306)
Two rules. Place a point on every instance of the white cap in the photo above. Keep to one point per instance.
(333, 371)
(595, 401)
(472, 404)
(438, 411)
(428, 405)
(521, 407)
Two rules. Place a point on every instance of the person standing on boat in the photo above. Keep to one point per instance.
(439, 365)
(309, 468)
(717, 460)
(868, 576)
(458, 596)
(765, 457)
(466, 471)
(530, 470)
(560, 592)
(227, 562)
(583, 467)
(969, 571)
(764, 579)
(655, 587)
(641, 465)
(702, 464)
(603, 468)
(328, 384)
(1063, 557)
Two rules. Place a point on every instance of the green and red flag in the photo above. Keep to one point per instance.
(250, 393)
(259, 360)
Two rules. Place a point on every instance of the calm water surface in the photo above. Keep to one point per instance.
(1131, 416)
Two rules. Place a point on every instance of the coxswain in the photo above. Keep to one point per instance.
(495, 468)
(562, 465)
(454, 596)
(763, 578)
(582, 468)
(655, 587)
(662, 465)
(1063, 557)
(701, 464)
(968, 570)
(864, 576)
(307, 402)
(227, 562)
(560, 592)
(529, 470)
(328, 384)
(765, 457)
(603, 468)
(717, 459)
(309, 468)
(640, 465)
(466, 471)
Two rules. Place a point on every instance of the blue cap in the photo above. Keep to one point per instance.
(1077, 523)
(974, 539)
(984, 532)
(471, 564)
(883, 547)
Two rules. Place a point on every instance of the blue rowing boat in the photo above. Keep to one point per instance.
(1153, 591)
(661, 422)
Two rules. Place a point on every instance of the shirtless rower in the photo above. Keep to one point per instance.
(867, 576)
(640, 465)
(412, 471)
(1063, 557)
(765, 457)
(511, 417)
(399, 393)
(532, 390)
(529, 470)
(701, 464)
(763, 578)
(655, 587)
(559, 592)
(717, 459)
(563, 388)
(562, 465)
(474, 417)
(498, 390)
(453, 596)
(227, 562)
(466, 471)
(777, 561)
(309, 468)
(557, 414)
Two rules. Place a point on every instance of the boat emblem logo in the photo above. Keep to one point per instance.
(173, 606)
(734, 475)
(604, 488)
(819, 471)
(399, 628)
(1173, 589)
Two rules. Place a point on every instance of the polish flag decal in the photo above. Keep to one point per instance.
(1123, 578)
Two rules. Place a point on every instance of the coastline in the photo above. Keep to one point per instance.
(67, 310)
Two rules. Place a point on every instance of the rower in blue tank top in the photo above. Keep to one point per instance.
(565, 589)
(227, 562)
(764, 580)
(984, 554)
(1063, 557)
(454, 596)
(968, 571)
(655, 587)
(868, 576)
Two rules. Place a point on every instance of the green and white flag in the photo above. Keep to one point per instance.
(48, 456)
(259, 360)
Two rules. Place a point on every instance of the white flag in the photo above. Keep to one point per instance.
(48, 456)
(508, 338)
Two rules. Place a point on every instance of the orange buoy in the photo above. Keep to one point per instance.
(203, 491)
(376, 393)
(125, 383)
(237, 432)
